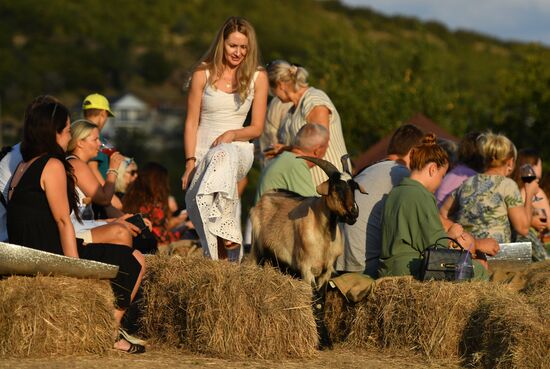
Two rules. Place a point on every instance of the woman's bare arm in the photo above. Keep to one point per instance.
(320, 114)
(90, 186)
(194, 100)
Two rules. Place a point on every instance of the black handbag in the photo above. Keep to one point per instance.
(441, 263)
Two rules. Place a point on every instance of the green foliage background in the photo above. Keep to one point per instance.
(378, 70)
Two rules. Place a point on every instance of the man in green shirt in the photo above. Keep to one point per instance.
(288, 172)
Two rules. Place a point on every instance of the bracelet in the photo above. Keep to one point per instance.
(191, 158)
(112, 171)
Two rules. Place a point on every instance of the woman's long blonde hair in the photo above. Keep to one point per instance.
(213, 59)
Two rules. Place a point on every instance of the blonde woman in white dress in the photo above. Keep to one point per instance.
(227, 83)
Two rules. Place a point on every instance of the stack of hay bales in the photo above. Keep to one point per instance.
(537, 288)
(228, 310)
(44, 316)
(483, 324)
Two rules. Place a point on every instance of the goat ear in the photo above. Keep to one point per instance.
(362, 189)
(322, 189)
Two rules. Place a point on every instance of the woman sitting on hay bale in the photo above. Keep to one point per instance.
(42, 196)
(83, 146)
(490, 204)
(411, 221)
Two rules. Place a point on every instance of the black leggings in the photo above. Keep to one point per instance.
(128, 267)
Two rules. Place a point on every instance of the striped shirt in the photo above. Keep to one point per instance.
(296, 118)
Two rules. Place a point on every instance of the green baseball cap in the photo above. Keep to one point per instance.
(97, 101)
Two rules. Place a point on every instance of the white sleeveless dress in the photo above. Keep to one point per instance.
(212, 199)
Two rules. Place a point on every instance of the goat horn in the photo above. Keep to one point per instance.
(346, 164)
(326, 166)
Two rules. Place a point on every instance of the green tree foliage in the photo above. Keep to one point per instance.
(378, 70)
(522, 108)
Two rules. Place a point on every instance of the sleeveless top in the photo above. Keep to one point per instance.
(296, 119)
(220, 112)
(30, 220)
(84, 224)
(79, 192)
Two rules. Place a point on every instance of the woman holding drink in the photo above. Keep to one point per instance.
(529, 169)
(490, 204)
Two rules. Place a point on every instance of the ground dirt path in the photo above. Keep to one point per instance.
(157, 358)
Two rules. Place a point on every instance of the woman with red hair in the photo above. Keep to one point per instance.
(148, 195)
(411, 219)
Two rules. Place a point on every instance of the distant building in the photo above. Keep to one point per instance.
(162, 123)
(130, 113)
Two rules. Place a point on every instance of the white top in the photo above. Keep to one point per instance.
(220, 112)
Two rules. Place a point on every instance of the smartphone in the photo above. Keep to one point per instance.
(137, 220)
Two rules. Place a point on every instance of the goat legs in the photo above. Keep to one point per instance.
(318, 305)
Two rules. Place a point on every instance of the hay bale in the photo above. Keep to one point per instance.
(538, 295)
(518, 275)
(339, 314)
(41, 316)
(504, 331)
(228, 310)
(450, 320)
(428, 317)
(537, 288)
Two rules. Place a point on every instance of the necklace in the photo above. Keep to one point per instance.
(227, 82)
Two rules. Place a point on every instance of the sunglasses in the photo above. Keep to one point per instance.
(133, 172)
(53, 112)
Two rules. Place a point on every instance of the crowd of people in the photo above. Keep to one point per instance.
(66, 190)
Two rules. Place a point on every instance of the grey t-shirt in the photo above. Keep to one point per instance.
(363, 240)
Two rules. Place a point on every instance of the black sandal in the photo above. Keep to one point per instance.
(134, 348)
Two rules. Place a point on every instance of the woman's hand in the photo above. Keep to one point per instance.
(455, 231)
(489, 246)
(189, 168)
(148, 223)
(115, 159)
(226, 137)
(537, 223)
(134, 230)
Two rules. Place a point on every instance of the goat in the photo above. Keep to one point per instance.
(300, 235)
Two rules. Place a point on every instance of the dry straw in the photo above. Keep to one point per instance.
(339, 315)
(44, 316)
(228, 310)
(484, 324)
(537, 288)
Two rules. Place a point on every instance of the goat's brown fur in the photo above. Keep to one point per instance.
(299, 232)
